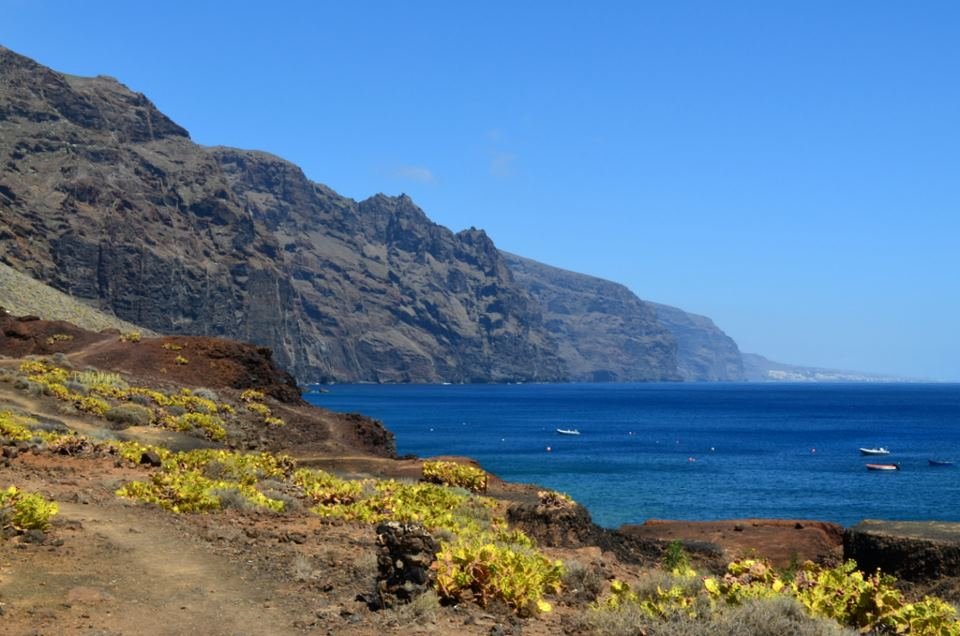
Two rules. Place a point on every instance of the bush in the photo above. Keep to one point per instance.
(454, 474)
(206, 394)
(475, 570)
(22, 511)
(129, 415)
(584, 582)
(59, 337)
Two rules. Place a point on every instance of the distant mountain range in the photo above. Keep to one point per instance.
(106, 199)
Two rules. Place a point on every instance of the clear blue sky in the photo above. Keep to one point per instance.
(791, 169)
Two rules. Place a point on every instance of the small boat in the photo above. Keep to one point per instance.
(940, 462)
(883, 466)
(568, 431)
(874, 451)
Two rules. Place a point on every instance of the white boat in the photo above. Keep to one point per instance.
(874, 451)
(568, 431)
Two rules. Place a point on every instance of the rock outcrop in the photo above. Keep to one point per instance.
(911, 550)
(704, 352)
(105, 198)
(605, 333)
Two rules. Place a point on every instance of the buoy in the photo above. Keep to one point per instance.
(813, 450)
(549, 449)
(691, 459)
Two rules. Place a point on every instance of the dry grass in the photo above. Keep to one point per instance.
(21, 295)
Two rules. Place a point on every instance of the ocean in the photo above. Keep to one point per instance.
(692, 451)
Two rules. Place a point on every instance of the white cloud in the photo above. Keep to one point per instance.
(421, 174)
(502, 164)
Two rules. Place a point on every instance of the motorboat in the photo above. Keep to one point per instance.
(568, 431)
(940, 462)
(883, 466)
(874, 451)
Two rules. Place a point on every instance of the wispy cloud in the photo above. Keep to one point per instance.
(420, 174)
(502, 164)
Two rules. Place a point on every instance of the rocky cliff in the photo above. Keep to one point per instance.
(704, 352)
(605, 333)
(107, 199)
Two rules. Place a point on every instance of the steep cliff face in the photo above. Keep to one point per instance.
(605, 333)
(704, 352)
(107, 199)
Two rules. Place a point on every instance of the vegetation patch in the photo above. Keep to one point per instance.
(23, 511)
(846, 596)
(454, 474)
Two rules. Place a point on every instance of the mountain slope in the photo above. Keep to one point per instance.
(21, 295)
(605, 333)
(704, 352)
(105, 198)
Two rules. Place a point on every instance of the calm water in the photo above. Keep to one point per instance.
(753, 444)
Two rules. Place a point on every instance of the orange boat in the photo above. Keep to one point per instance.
(883, 466)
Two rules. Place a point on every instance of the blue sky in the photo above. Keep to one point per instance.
(788, 168)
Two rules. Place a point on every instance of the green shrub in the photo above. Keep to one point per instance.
(59, 337)
(190, 491)
(454, 474)
(95, 377)
(129, 415)
(23, 511)
(475, 570)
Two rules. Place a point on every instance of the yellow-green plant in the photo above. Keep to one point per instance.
(180, 360)
(476, 570)
(252, 395)
(244, 468)
(59, 337)
(14, 427)
(170, 346)
(745, 579)
(870, 602)
(23, 511)
(211, 425)
(454, 474)
(190, 491)
(131, 336)
(95, 378)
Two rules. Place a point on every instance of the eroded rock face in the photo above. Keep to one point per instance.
(605, 332)
(405, 552)
(911, 550)
(107, 199)
(704, 352)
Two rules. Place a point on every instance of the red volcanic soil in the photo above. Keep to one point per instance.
(192, 361)
(782, 541)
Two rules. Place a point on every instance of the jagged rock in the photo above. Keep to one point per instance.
(106, 199)
(911, 550)
(405, 552)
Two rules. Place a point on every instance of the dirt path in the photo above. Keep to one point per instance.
(119, 569)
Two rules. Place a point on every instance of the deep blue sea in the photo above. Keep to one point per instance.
(692, 451)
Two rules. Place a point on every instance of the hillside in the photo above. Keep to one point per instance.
(22, 295)
(605, 333)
